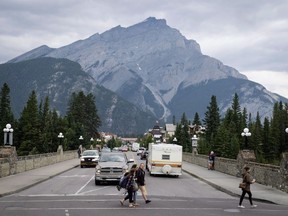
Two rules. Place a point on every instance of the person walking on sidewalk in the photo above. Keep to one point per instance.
(248, 180)
(211, 161)
(140, 175)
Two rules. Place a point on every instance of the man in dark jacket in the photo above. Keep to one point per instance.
(140, 175)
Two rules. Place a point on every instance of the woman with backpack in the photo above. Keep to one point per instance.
(130, 187)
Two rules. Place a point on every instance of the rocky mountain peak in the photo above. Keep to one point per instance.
(156, 68)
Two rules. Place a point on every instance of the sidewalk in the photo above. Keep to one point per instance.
(229, 184)
(226, 183)
(15, 183)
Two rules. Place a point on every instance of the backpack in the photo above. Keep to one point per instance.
(123, 181)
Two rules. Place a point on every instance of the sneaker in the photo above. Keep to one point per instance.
(135, 204)
(148, 201)
(131, 205)
(241, 206)
(122, 202)
(253, 206)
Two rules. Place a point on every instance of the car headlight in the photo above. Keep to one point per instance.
(97, 169)
(125, 169)
(82, 159)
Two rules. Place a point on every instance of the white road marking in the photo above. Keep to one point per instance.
(84, 185)
(98, 189)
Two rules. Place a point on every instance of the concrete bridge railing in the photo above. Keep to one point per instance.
(266, 174)
(10, 164)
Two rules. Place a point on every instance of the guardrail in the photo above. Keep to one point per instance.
(10, 164)
(266, 174)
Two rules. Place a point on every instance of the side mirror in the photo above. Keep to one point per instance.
(131, 161)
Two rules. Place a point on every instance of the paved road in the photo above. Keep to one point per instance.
(74, 193)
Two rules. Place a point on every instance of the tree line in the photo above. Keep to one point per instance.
(223, 134)
(37, 129)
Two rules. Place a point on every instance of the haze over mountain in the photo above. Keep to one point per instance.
(157, 69)
(58, 79)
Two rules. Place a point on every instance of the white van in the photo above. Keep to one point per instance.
(164, 159)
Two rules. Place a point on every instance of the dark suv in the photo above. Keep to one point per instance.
(89, 158)
(111, 166)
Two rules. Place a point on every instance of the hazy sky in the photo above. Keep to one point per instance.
(249, 35)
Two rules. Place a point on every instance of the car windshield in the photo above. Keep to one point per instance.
(112, 158)
(90, 153)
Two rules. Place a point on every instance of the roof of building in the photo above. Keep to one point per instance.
(170, 127)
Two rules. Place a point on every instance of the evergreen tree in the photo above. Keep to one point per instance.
(50, 127)
(184, 119)
(182, 134)
(266, 141)
(282, 126)
(285, 123)
(212, 120)
(229, 136)
(82, 116)
(6, 114)
(196, 120)
(256, 138)
(29, 127)
(221, 142)
(236, 116)
(275, 132)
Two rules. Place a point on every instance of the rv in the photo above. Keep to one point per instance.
(164, 159)
(135, 146)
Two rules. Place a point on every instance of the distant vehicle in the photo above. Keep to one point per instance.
(124, 148)
(106, 149)
(111, 166)
(144, 155)
(115, 149)
(135, 147)
(164, 159)
(140, 150)
(89, 158)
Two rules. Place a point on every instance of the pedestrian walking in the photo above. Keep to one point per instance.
(131, 188)
(211, 161)
(248, 180)
(79, 151)
(140, 176)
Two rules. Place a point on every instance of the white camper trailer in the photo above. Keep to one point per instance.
(164, 159)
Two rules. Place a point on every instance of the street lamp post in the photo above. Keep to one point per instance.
(246, 134)
(81, 139)
(8, 135)
(92, 141)
(60, 136)
(194, 144)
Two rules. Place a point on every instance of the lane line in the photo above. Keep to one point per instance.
(84, 185)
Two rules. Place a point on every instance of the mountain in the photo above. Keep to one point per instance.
(58, 79)
(157, 69)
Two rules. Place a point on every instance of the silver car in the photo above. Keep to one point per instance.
(111, 167)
